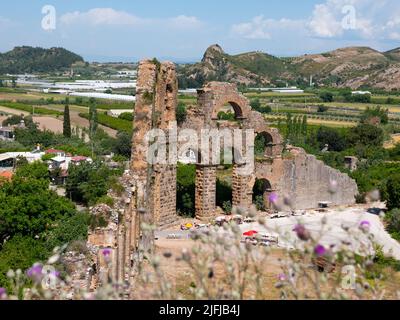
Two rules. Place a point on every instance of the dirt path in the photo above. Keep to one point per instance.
(78, 121)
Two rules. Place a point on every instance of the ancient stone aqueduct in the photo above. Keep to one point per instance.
(152, 198)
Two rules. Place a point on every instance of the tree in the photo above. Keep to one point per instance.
(367, 135)
(332, 138)
(304, 126)
(67, 120)
(87, 182)
(255, 103)
(14, 83)
(326, 96)
(322, 109)
(393, 192)
(20, 253)
(378, 112)
(93, 122)
(123, 144)
(28, 206)
(1, 83)
(181, 113)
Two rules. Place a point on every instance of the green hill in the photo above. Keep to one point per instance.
(36, 60)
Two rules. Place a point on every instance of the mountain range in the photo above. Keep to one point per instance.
(355, 67)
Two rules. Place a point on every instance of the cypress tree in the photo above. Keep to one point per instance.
(67, 120)
(304, 126)
(92, 119)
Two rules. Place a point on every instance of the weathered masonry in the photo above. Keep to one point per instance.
(285, 170)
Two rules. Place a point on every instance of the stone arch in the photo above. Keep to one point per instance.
(215, 95)
(237, 109)
(272, 142)
(263, 187)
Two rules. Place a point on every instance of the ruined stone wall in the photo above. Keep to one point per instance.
(307, 181)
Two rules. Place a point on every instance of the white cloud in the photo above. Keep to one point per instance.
(185, 22)
(324, 23)
(110, 17)
(100, 16)
(362, 18)
(332, 19)
(261, 28)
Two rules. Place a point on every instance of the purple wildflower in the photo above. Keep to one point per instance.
(282, 277)
(273, 197)
(35, 272)
(320, 250)
(55, 274)
(3, 292)
(365, 225)
(302, 232)
(106, 252)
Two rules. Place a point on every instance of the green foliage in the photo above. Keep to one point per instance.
(16, 119)
(392, 193)
(67, 229)
(326, 96)
(123, 144)
(224, 192)
(30, 60)
(93, 119)
(322, 109)
(111, 122)
(87, 183)
(20, 252)
(375, 176)
(28, 206)
(393, 223)
(255, 104)
(128, 116)
(67, 122)
(227, 116)
(366, 135)
(332, 138)
(227, 207)
(31, 109)
(377, 112)
(181, 113)
(186, 176)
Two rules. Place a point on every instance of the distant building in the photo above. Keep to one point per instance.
(361, 92)
(56, 153)
(7, 133)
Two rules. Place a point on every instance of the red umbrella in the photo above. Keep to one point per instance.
(250, 233)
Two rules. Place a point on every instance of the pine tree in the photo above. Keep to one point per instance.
(67, 120)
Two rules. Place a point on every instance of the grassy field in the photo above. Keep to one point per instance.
(111, 122)
(31, 109)
(360, 106)
(328, 123)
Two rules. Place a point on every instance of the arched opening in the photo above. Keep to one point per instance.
(185, 189)
(263, 145)
(261, 192)
(229, 111)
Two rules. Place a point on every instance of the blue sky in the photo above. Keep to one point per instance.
(183, 29)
